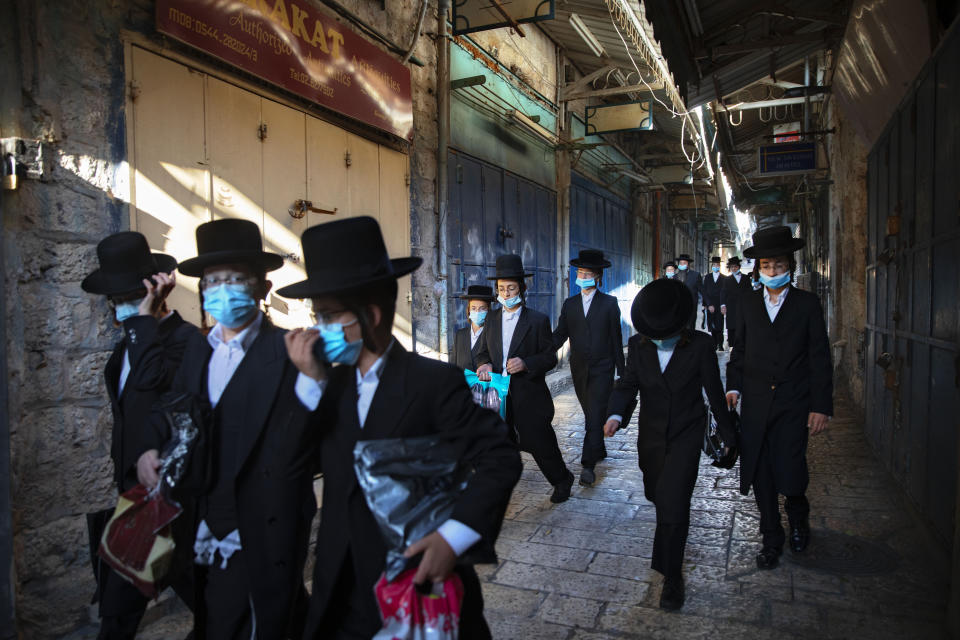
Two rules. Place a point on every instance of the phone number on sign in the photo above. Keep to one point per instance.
(202, 28)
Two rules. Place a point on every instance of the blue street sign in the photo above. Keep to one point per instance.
(787, 158)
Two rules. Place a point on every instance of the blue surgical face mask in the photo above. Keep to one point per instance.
(478, 317)
(715, 269)
(336, 349)
(231, 305)
(775, 282)
(682, 267)
(126, 310)
(510, 303)
(586, 283)
(670, 274)
(666, 344)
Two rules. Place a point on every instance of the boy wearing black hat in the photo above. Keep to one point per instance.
(713, 301)
(735, 287)
(670, 366)
(669, 269)
(518, 341)
(781, 363)
(248, 527)
(380, 390)
(591, 320)
(692, 279)
(142, 366)
(466, 341)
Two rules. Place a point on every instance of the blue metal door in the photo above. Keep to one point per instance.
(491, 212)
(601, 220)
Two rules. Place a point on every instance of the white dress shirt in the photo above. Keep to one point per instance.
(459, 536)
(508, 324)
(587, 299)
(737, 275)
(474, 336)
(716, 276)
(124, 371)
(773, 308)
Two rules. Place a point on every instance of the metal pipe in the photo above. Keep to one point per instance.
(806, 95)
(443, 137)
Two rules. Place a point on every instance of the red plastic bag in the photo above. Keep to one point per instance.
(137, 542)
(409, 615)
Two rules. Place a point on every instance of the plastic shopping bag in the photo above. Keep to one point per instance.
(409, 615)
(490, 394)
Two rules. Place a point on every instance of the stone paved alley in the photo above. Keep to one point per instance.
(580, 570)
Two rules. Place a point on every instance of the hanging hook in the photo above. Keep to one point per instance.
(760, 114)
(730, 118)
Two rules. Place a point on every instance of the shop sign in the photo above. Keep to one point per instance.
(292, 45)
(787, 158)
(628, 116)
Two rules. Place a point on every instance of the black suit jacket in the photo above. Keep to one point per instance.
(713, 292)
(734, 291)
(274, 478)
(780, 368)
(596, 341)
(155, 350)
(529, 399)
(465, 356)
(416, 396)
(694, 282)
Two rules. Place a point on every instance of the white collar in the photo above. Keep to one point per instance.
(588, 296)
(510, 315)
(243, 339)
(780, 298)
(373, 373)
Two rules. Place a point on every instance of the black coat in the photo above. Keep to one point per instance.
(155, 350)
(275, 503)
(713, 292)
(694, 282)
(416, 396)
(672, 414)
(596, 341)
(465, 356)
(780, 368)
(529, 400)
(734, 292)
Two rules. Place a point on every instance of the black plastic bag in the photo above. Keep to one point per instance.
(187, 458)
(713, 444)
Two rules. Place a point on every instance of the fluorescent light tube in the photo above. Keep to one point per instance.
(584, 32)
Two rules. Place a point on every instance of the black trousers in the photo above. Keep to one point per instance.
(768, 502)
(538, 438)
(225, 611)
(353, 613)
(593, 390)
(715, 325)
(731, 324)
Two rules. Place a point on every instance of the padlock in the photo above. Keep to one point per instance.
(9, 172)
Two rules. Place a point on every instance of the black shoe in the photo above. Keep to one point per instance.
(561, 491)
(799, 539)
(672, 595)
(587, 476)
(768, 558)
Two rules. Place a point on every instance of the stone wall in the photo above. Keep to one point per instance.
(59, 338)
(848, 250)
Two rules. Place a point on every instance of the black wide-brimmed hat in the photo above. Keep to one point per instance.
(733, 260)
(684, 256)
(479, 292)
(125, 261)
(590, 259)
(509, 267)
(345, 255)
(229, 241)
(771, 242)
(669, 263)
(715, 259)
(662, 308)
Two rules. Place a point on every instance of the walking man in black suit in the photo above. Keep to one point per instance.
(141, 367)
(248, 524)
(518, 341)
(781, 364)
(466, 341)
(713, 301)
(735, 287)
(379, 390)
(591, 320)
(692, 279)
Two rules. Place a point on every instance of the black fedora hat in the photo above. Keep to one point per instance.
(771, 242)
(590, 259)
(509, 267)
(662, 308)
(684, 256)
(733, 260)
(715, 259)
(344, 255)
(479, 292)
(228, 241)
(669, 263)
(125, 260)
